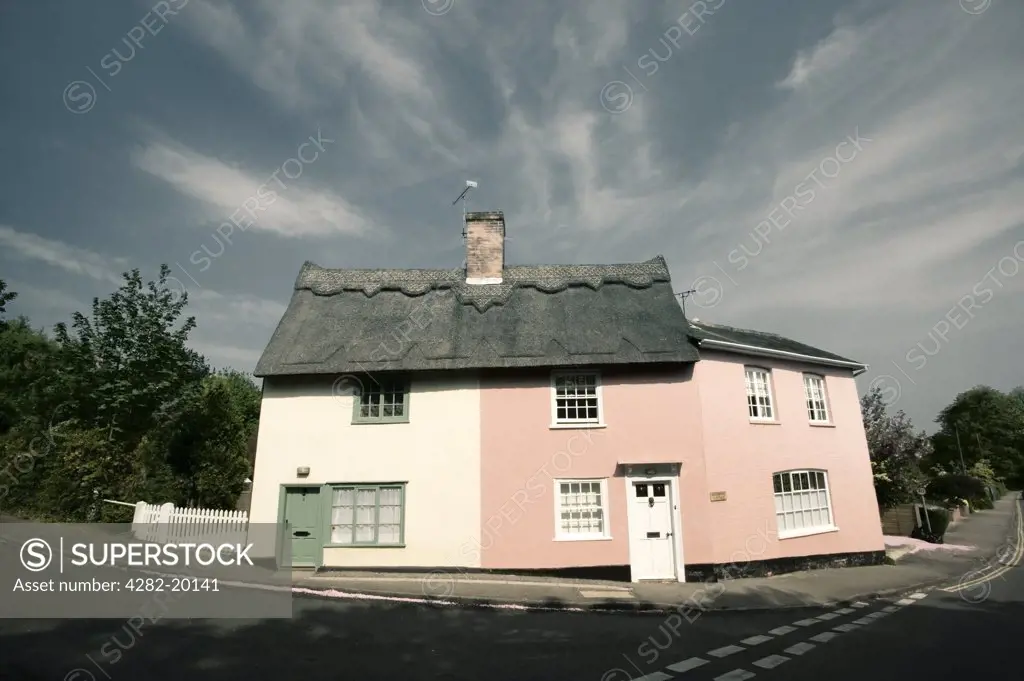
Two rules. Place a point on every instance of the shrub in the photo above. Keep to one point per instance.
(938, 519)
(946, 488)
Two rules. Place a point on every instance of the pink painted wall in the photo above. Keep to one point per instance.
(742, 456)
(652, 416)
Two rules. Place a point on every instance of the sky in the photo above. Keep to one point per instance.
(849, 174)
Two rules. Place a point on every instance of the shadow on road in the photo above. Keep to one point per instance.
(367, 640)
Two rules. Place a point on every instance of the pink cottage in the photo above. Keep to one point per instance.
(553, 418)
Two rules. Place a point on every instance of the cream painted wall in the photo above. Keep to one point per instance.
(437, 454)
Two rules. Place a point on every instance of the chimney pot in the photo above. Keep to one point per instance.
(485, 247)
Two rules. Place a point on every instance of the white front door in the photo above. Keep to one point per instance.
(651, 532)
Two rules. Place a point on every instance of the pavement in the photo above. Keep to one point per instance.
(971, 629)
(975, 540)
(981, 538)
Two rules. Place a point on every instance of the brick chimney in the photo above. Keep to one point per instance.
(485, 247)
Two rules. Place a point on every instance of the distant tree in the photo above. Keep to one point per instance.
(896, 451)
(5, 297)
(981, 424)
(1018, 394)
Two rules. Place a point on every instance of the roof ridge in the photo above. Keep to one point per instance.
(699, 324)
(547, 278)
(309, 265)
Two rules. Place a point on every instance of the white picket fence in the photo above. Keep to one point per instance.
(166, 524)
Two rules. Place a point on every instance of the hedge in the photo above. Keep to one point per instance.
(946, 488)
(938, 520)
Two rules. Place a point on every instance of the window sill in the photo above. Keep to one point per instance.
(807, 532)
(821, 424)
(576, 426)
(364, 546)
(586, 538)
(765, 422)
(379, 423)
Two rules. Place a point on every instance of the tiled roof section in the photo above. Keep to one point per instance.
(341, 321)
(769, 341)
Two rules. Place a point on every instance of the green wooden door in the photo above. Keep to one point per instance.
(303, 519)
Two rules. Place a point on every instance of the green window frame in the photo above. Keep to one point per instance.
(382, 400)
(367, 515)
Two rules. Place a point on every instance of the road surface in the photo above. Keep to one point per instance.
(936, 635)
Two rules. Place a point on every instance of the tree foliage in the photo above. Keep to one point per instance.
(983, 425)
(896, 451)
(5, 297)
(117, 406)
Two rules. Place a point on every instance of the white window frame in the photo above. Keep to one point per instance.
(576, 423)
(376, 487)
(778, 499)
(605, 533)
(769, 387)
(812, 411)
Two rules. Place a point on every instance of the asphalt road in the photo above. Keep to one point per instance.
(974, 634)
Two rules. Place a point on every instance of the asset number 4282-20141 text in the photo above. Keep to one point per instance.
(170, 584)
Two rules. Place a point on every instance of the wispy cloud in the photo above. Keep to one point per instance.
(67, 257)
(824, 58)
(933, 191)
(214, 311)
(277, 200)
(55, 303)
(724, 123)
(318, 53)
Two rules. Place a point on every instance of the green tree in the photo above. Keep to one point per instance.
(208, 446)
(984, 424)
(1018, 394)
(896, 451)
(5, 297)
(27, 363)
(129, 363)
(29, 369)
(118, 406)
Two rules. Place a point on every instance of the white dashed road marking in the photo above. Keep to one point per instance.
(782, 631)
(755, 640)
(800, 648)
(687, 665)
(654, 676)
(771, 662)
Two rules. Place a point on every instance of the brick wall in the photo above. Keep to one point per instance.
(485, 245)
